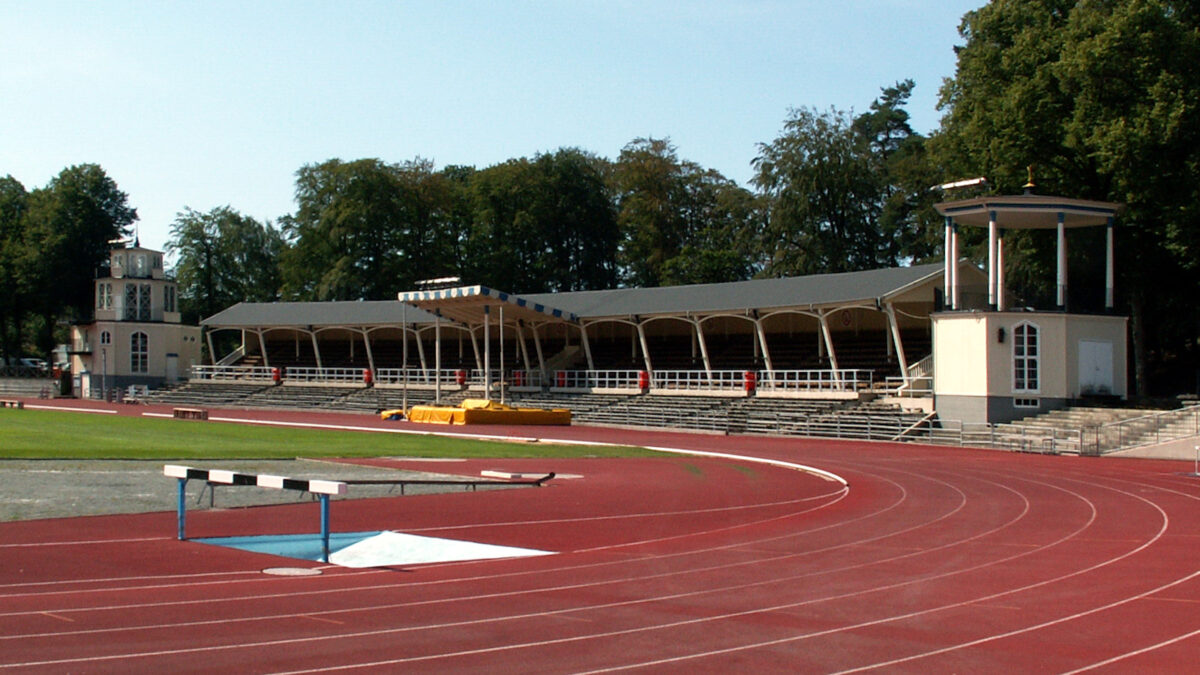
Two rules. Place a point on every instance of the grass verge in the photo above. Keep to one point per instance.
(42, 434)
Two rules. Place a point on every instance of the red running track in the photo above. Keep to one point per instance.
(934, 559)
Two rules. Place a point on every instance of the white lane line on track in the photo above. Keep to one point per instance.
(632, 602)
(82, 542)
(94, 411)
(1081, 571)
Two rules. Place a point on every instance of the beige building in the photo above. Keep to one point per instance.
(136, 337)
(996, 363)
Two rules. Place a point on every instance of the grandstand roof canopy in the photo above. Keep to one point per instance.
(465, 304)
(1028, 211)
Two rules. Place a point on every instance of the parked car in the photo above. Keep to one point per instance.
(36, 364)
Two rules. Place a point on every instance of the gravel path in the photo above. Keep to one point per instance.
(31, 489)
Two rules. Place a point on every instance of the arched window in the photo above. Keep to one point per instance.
(139, 356)
(1026, 358)
(105, 338)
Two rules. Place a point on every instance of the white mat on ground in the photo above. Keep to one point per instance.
(397, 548)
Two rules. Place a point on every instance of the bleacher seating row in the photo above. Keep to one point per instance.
(749, 415)
(866, 350)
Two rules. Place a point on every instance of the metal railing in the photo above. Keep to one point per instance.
(419, 376)
(1018, 437)
(698, 380)
(1150, 429)
(232, 373)
(330, 375)
(918, 387)
(814, 380)
(595, 379)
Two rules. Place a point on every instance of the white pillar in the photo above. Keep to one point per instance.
(420, 351)
(703, 348)
(587, 346)
(762, 342)
(501, 383)
(827, 335)
(895, 327)
(212, 355)
(1062, 261)
(992, 236)
(487, 352)
(948, 273)
(1108, 266)
(955, 291)
(316, 349)
(437, 359)
(641, 336)
(262, 345)
(1000, 302)
(370, 357)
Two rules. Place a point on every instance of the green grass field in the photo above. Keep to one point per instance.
(39, 434)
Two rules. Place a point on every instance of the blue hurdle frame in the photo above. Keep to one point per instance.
(323, 489)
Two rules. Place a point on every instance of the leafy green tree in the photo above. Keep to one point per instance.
(1098, 95)
(680, 223)
(721, 234)
(365, 229)
(14, 201)
(545, 224)
(223, 257)
(71, 223)
(822, 193)
(898, 158)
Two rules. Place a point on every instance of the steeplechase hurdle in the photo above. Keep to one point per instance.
(321, 488)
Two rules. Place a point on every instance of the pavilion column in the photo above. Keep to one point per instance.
(587, 346)
(437, 359)
(537, 347)
(641, 335)
(487, 352)
(1000, 301)
(992, 237)
(475, 349)
(316, 349)
(1062, 261)
(420, 350)
(370, 357)
(262, 345)
(827, 336)
(948, 274)
(212, 356)
(1108, 266)
(895, 327)
(955, 291)
(501, 375)
(703, 347)
(761, 336)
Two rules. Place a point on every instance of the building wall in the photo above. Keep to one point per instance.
(974, 354)
(112, 363)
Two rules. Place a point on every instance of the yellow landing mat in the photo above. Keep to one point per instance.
(480, 411)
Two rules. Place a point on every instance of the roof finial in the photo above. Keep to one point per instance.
(1028, 186)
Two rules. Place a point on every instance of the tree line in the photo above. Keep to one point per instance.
(1098, 96)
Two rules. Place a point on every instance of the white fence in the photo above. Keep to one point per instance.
(844, 380)
(232, 373)
(814, 380)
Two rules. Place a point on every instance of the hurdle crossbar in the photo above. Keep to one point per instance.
(322, 488)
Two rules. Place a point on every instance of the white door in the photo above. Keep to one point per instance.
(1095, 367)
(172, 368)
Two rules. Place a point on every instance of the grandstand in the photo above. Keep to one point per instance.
(880, 354)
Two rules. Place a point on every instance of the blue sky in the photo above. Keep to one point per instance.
(205, 104)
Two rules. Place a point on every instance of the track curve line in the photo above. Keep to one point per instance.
(726, 554)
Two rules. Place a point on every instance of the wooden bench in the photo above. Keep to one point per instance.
(190, 413)
(11, 403)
